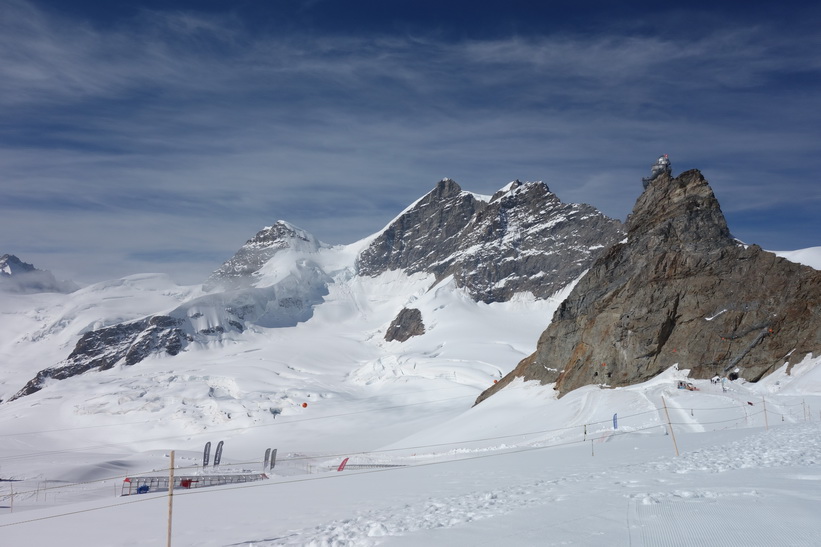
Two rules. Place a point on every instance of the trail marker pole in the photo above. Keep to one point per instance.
(170, 496)
(766, 423)
(670, 425)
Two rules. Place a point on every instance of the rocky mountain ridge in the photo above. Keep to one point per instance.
(679, 291)
(523, 238)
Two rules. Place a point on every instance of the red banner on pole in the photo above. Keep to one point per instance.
(342, 465)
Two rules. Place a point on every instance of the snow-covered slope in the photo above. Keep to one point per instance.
(41, 329)
(808, 257)
(338, 357)
(738, 467)
(331, 388)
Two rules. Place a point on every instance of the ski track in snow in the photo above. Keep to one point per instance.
(657, 518)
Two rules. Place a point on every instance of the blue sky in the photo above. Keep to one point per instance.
(158, 136)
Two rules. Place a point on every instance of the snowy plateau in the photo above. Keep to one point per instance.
(731, 464)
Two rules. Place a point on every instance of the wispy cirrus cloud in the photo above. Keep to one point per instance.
(186, 131)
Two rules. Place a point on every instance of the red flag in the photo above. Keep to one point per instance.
(342, 465)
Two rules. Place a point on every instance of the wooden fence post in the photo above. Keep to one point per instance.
(670, 425)
(170, 496)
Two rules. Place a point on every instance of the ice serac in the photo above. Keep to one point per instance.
(523, 238)
(680, 290)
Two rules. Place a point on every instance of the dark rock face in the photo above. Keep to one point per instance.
(127, 343)
(432, 224)
(17, 276)
(679, 291)
(10, 266)
(407, 324)
(523, 239)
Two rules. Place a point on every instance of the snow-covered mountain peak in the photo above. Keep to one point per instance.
(17, 276)
(283, 234)
(11, 265)
(246, 267)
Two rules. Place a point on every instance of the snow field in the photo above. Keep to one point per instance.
(632, 491)
(521, 468)
(468, 439)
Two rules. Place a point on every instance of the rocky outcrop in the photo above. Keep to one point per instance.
(682, 291)
(521, 239)
(408, 323)
(102, 349)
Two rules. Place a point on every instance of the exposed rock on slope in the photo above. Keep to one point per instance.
(127, 343)
(523, 239)
(679, 290)
(406, 325)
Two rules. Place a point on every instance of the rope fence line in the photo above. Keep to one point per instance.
(603, 436)
(459, 443)
(162, 496)
(350, 454)
(283, 423)
(330, 476)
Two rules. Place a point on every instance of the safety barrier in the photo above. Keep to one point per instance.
(144, 484)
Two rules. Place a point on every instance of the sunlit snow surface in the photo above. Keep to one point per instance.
(522, 468)
(808, 257)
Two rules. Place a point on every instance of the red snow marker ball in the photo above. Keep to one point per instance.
(304, 405)
(494, 381)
